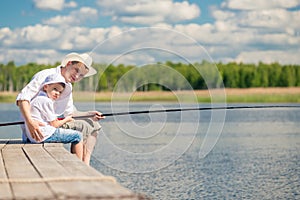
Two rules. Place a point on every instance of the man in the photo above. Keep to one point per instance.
(73, 68)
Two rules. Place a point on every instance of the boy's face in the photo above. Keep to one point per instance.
(53, 90)
(74, 72)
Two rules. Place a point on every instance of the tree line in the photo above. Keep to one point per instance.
(164, 76)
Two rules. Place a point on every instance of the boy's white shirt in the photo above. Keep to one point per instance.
(42, 110)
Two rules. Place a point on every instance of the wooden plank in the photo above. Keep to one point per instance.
(2, 144)
(71, 162)
(14, 144)
(46, 165)
(5, 191)
(20, 172)
(69, 173)
(79, 169)
(49, 171)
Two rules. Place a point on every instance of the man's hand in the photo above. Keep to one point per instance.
(33, 127)
(97, 115)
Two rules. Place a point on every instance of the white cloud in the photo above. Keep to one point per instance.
(29, 36)
(53, 4)
(149, 12)
(223, 14)
(39, 33)
(262, 29)
(268, 34)
(277, 19)
(271, 56)
(267, 20)
(144, 20)
(244, 45)
(155, 48)
(182, 11)
(43, 37)
(24, 56)
(62, 20)
(32, 43)
(71, 4)
(259, 4)
(5, 32)
(76, 17)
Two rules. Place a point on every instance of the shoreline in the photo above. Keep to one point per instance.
(229, 95)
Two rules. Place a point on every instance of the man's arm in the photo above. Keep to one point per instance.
(32, 125)
(97, 115)
(23, 101)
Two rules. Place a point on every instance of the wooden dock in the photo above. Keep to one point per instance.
(49, 171)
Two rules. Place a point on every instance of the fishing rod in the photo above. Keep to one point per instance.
(22, 122)
(197, 108)
(169, 110)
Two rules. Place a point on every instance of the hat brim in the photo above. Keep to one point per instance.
(77, 57)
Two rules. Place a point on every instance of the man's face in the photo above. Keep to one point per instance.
(74, 72)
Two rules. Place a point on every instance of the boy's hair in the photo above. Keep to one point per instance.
(62, 84)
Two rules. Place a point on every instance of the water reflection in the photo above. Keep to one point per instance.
(256, 157)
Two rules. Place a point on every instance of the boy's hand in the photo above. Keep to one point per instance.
(69, 118)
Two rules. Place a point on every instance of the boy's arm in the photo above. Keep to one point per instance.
(57, 123)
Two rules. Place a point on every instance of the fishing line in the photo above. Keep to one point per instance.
(170, 110)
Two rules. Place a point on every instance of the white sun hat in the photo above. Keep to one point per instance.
(84, 58)
(57, 78)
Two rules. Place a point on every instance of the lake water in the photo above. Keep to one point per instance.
(244, 154)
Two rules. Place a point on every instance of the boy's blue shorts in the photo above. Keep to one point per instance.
(65, 136)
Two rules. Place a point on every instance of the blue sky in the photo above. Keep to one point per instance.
(248, 31)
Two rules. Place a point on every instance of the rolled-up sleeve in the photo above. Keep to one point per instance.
(33, 87)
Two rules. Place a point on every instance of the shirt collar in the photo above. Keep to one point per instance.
(58, 69)
(43, 93)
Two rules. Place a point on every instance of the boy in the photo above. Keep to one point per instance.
(42, 110)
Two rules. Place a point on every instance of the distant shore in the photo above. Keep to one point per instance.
(229, 95)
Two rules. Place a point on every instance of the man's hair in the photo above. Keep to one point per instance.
(76, 62)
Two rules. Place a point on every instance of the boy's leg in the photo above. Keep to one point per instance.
(68, 136)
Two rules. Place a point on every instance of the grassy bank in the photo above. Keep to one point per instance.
(251, 95)
(8, 97)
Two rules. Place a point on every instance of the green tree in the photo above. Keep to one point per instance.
(288, 78)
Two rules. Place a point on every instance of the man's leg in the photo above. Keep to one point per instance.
(88, 147)
(89, 129)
